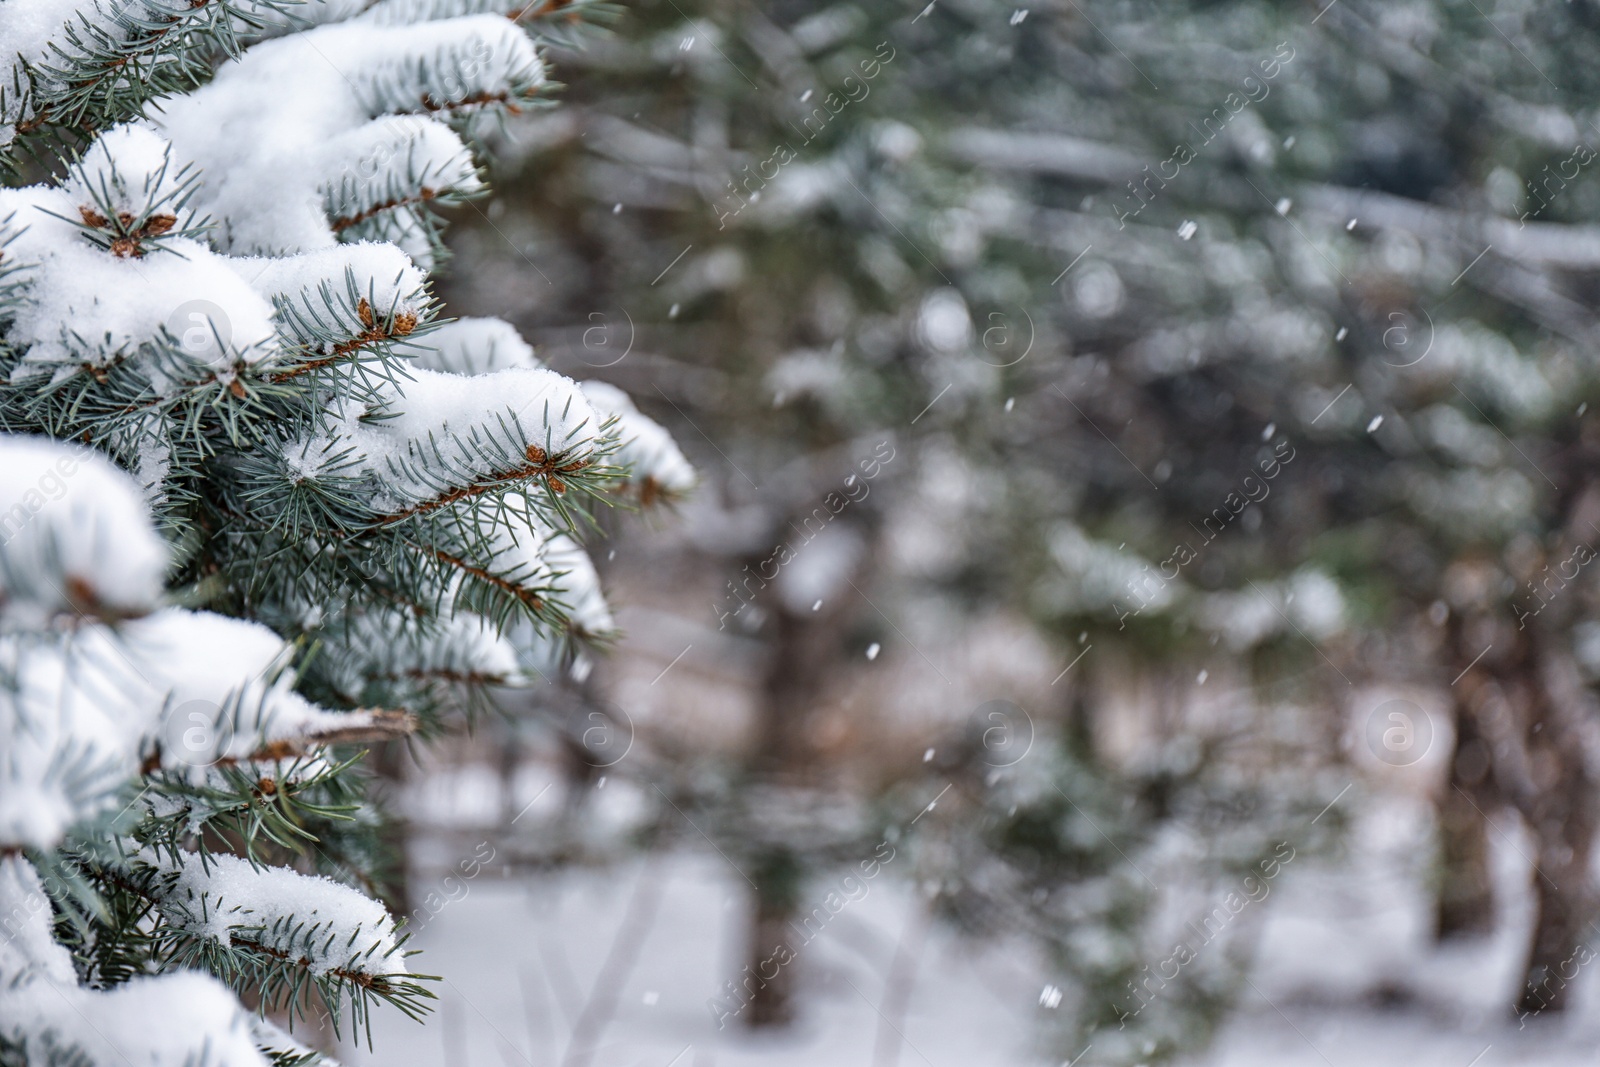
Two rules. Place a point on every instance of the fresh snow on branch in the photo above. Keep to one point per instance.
(81, 305)
(84, 708)
(448, 433)
(314, 921)
(476, 346)
(73, 537)
(45, 1009)
(224, 304)
(321, 293)
(300, 128)
(656, 466)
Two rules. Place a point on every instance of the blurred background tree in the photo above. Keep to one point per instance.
(1234, 354)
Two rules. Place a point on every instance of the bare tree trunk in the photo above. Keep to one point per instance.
(389, 761)
(805, 651)
(805, 648)
(1536, 718)
(769, 973)
(1560, 810)
(1522, 704)
(1564, 895)
(1464, 905)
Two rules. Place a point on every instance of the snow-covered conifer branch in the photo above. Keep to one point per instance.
(371, 514)
(377, 155)
(283, 933)
(72, 67)
(45, 1010)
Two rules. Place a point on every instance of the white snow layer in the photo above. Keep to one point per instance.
(577, 586)
(469, 426)
(73, 535)
(548, 558)
(300, 125)
(84, 710)
(222, 687)
(295, 129)
(483, 346)
(646, 449)
(130, 167)
(327, 286)
(201, 1021)
(327, 926)
(38, 35)
(80, 708)
(477, 346)
(84, 304)
(25, 36)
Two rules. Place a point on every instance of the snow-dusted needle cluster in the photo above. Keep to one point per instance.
(260, 501)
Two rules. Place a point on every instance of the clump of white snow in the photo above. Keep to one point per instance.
(46, 1009)
(324, 291)
(298, 144)
(128, 169)
(83, 304)
(478, 346)
(74, 536)
(577, 586)
(221, 688)
(550, 560)
(646, 449)
(327, 926)
(82, 708)
(475, 428)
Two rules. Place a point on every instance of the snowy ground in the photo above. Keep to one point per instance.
(521, 958)
(1346, 975)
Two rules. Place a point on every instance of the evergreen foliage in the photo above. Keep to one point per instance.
(266, 503)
